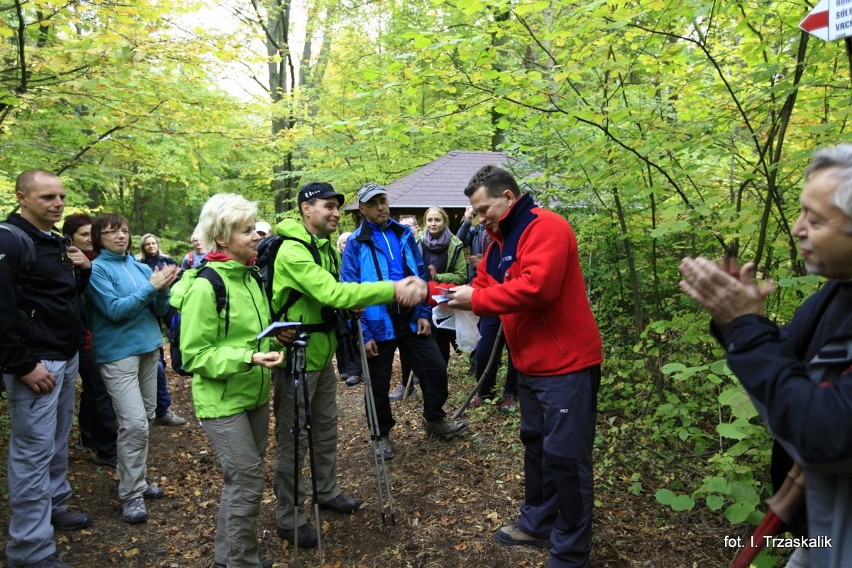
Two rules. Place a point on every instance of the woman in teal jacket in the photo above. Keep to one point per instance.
(122, 301)
(230, 366)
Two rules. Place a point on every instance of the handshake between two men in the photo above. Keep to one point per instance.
(410, 291)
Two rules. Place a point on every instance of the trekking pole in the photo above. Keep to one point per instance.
(295, 431)
(301, 344)
(382, 483)
(408, 385)
(494, 350)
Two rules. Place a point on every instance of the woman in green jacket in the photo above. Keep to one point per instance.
(230, 366)
(444, 258)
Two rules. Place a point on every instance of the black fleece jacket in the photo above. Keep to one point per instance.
(40, 315)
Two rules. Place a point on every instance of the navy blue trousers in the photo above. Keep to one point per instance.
(558, 417)
(488, 326)
(164, 399)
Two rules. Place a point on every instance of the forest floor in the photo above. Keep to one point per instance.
(449, 497)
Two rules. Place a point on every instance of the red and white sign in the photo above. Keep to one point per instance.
(829, 20)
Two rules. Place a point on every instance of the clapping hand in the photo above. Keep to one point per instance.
(165, 276)
(727, 291)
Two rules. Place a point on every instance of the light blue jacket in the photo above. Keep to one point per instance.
(122, 305)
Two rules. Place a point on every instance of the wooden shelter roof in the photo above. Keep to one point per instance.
(440, 182)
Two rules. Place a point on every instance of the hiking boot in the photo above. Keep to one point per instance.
(513, 536)
(342, 504)
(153, 492)
(51, 561)
(397, 393)
(133, 511)
(353, 380)
(384, 449)
(307, 535)
(106, 460)
(169, 419)
(446, 429)
(68, 520)
(509, 404)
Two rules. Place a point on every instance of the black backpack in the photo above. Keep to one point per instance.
(221, 294)
(267, 250)
(28, 251)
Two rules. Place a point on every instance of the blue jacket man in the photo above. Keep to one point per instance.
(382, 249)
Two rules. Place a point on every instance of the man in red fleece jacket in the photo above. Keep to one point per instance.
(531, 278)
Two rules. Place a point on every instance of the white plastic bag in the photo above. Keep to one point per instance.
(467, 329)
(444, 317)
(464, 322)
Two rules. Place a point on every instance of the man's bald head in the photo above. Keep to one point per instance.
(32, 178)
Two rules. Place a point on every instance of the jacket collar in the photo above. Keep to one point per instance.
(109, 255)
(17, 220)
(510, 220)
(366, 232)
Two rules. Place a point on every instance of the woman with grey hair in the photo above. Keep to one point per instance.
(231, 367)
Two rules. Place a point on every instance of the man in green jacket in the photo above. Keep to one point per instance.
(306, 276)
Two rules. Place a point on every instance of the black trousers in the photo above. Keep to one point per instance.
(96, 419)
(421, 354)
(488, 326)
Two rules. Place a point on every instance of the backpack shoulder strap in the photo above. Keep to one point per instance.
(219, 290)
(312, 248)
(29, 255)
(294, 294)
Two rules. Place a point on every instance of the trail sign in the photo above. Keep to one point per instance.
(829, 20)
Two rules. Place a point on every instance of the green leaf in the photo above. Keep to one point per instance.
(715, 502)
(738, 512)
(731, 430)
(676, 502)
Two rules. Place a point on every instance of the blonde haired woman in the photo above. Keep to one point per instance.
(230, 366)
(444, 259)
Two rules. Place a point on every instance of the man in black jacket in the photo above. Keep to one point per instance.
(800, 377)
(39, 339)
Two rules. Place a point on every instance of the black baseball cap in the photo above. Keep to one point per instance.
(318, 189)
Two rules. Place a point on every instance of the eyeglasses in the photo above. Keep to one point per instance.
(124, 232)
(372, 204)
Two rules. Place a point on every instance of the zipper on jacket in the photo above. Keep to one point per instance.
(387, 242)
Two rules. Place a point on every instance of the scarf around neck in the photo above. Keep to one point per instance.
(437, 244)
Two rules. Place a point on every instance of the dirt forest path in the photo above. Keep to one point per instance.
(449, 498)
